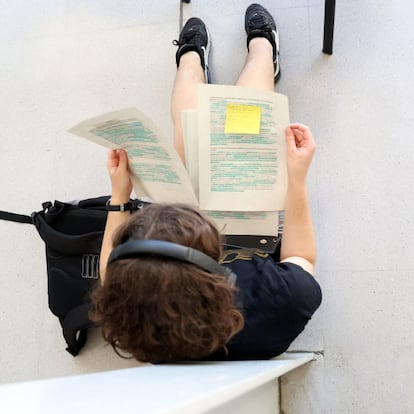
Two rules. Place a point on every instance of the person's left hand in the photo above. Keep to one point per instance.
(119, 174)
(300, 149)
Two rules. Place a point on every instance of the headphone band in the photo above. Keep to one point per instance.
(134, 248)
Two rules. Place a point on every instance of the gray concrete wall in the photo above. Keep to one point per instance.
(363, 115)
(63, 61)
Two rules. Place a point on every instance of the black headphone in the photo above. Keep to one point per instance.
(133, 248)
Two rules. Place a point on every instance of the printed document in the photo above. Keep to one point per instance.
(157, 171)
(261, 223)
(242, 149)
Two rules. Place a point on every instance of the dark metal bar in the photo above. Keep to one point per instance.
(328, 28)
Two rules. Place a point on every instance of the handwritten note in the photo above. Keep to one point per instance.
(242, 119)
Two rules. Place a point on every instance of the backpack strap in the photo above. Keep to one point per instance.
(17, 218)
(75, 327)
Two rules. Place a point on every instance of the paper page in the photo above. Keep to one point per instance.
(241, 171)
(189, 122)
(257, 223)
(156, 168)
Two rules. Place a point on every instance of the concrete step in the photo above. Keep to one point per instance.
(202, 387)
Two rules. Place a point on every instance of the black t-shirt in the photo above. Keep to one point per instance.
(276, 299)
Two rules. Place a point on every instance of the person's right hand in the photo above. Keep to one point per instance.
(300, 148)
(119, 174)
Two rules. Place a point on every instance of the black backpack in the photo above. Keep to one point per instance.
(72, 233)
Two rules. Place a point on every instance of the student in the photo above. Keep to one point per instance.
(159, 309)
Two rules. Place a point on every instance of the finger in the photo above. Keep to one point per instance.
(290, 139)
(298, 136)
(123, 159)
(301, 127)
(113, 159)
(305, 130)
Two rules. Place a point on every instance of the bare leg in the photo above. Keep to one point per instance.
(258, 71)
(189, 75)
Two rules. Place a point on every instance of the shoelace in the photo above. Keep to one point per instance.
(188, 37)
(258, 21)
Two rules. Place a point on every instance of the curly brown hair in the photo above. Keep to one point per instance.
(158, 309)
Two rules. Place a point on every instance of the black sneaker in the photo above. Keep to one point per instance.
(260, 23)
(195, 37)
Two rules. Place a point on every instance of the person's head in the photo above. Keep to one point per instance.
(159, 309)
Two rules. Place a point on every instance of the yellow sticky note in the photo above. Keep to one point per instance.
(242, 119)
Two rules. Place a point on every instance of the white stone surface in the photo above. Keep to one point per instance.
(63, 61)
(213, 387)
